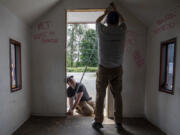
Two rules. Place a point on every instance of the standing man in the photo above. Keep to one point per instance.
(83, 103)
(111, 49)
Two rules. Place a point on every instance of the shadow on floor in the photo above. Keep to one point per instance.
(79, 125)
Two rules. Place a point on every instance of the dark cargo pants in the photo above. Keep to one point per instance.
(113, 77)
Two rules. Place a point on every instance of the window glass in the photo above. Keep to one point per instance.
(15, 65)
(167, 66)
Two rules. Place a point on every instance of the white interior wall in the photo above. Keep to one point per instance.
(48, 64)
(48, 60)
(14, 107)
(162, 109)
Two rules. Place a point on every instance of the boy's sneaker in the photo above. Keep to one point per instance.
(97, 125)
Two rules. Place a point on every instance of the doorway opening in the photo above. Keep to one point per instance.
(81, 48)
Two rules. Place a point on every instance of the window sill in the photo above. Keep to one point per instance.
(15, 89)
(166, 91)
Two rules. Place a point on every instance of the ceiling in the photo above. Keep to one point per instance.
(29, 10)
(148, 10)
(144, 10)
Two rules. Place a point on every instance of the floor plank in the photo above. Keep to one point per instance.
(79, 125)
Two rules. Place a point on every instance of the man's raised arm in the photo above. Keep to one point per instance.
(121, 18)
(99, 20)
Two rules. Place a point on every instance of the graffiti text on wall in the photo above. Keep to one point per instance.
(45, 33)
(130, 42)
(165, 23)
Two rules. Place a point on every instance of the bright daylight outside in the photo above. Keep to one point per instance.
(81, 50)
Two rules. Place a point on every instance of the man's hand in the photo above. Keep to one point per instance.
(99, 20)
(70, 112)
(113, 6)
(106, 11)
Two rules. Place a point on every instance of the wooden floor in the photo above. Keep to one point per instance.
(79, 125)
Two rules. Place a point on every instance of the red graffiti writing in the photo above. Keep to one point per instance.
(45, 33)
(166, 18)
(40, 35)
(45, 37)
(130, 39)
(165, 23)
(44, 25)
(51, 33)
(138, 58)
(49, 40)
(164, 27)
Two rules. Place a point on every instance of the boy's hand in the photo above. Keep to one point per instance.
(70, 112)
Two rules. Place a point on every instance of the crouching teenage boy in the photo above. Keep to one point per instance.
(79, 98)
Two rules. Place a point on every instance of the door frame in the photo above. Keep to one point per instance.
(80, 10)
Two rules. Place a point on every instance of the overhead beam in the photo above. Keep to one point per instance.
(84, 10)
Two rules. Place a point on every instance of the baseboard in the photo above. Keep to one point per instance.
(50, 114)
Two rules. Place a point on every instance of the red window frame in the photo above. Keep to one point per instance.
(164, 66)
(16, 67)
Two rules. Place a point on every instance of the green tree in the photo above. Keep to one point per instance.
(88, 48)
(75, 33)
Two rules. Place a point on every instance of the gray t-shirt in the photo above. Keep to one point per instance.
(111, 44)
(79, 88)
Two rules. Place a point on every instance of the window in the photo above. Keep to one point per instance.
(15, 65)
(167, 66)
